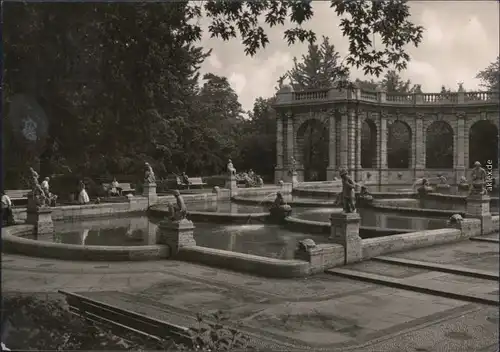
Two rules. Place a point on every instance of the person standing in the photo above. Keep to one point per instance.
(7, 215)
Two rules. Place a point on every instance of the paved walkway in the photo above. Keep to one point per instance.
(323, 312)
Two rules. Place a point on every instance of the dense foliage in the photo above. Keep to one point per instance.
(490, 76)
(120, 85)
(43, 322)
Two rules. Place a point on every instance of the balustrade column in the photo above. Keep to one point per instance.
(344, 138)
(419, 146)
(461, 155)
(278, 172)
(382, 149)
(332, 148)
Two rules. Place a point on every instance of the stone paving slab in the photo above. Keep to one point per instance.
(332, 322)
(467, 254)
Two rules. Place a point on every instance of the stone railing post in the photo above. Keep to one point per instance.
(345, 231)
(478, 207)
(381, 96)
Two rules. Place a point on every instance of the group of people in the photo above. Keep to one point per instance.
(250, 179)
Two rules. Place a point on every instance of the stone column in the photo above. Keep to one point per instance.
(290, 141)
(344, 141)
(419, 147)
(332, 147)
(176, 234)
(382, 149)
(278, 171)
(359, 171)
(345, 231)
(461, 155)
(351, 158)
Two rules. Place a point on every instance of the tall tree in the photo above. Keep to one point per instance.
(360, 22)
(490, 76)
(258, 139)
(393, 83)
(319, 68)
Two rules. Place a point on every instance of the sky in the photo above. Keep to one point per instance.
(460, 39)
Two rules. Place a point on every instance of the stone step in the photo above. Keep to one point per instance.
(445, 268)
(422, 287)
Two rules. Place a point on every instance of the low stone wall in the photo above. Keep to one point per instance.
(420, 211)
(397, 202)
(269, 267)
(268, 202)
(135, 204)
(333, 193)
(319, 227)
(13, 242)
(374, 247)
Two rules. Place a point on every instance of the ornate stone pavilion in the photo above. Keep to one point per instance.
(351, 115)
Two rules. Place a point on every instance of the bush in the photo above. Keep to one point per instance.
(45, 323)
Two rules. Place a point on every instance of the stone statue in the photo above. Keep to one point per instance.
(279, 210)
(424, 188)
(478, 178)
(149, 176)
(348, 192)
(443, 183)
(455, 220)
(179, 210)
(463, 184)
(230, 168)
(38, 196)
(364, 197)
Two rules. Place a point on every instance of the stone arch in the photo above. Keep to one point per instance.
(483, 143)
(439, 145)
(312, 149)
(399, 145)
(368, 144)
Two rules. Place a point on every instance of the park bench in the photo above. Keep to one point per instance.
(18, 196)
(123, 188)
(193, 181)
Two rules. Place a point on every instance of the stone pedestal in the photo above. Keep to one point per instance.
(176, 234)
(231, 182)
(478, 207)
(149, 191)
(345, 231)
(41, 218)
(295, 179)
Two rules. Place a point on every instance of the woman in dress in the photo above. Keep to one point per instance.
(83, 197)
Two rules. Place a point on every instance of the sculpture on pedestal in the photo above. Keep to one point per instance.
(443, 182)
(279, 209)
(463, 184)
(425, 188)
(364, 197)
(178, 211)
(348, 192)
(230, 168)
(37, 195)
(478, 180)
(52, 198)
(149, 175)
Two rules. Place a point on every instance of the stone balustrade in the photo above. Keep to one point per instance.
(334, 94)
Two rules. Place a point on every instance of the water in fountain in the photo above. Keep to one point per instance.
(260, 204)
